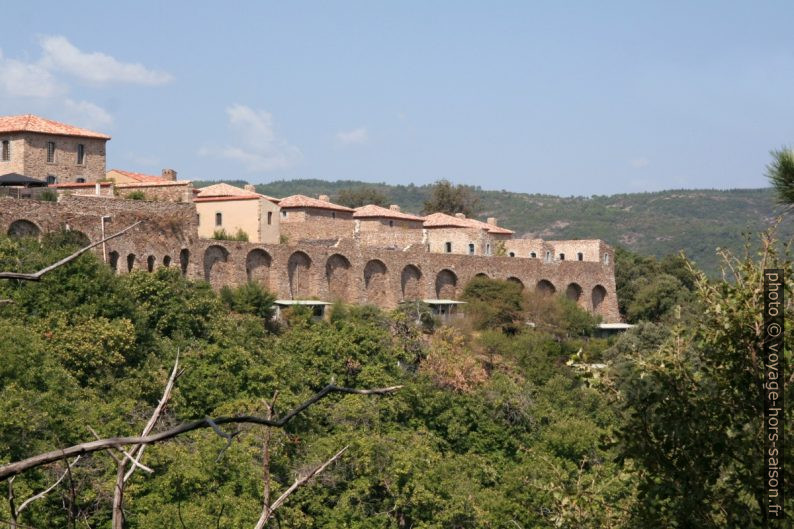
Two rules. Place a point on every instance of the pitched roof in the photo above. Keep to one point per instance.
(224, 199)
(224, 190)
(302, 201)
(140, 177)
(371, 210)
(31, 123)
(442, 220)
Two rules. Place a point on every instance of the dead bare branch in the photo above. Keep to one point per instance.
(43, 493)
(36, 276)
(267, 512)
(12, 469)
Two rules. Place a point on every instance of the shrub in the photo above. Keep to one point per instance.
(136, 195)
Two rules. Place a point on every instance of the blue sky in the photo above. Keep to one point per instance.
(569, 98)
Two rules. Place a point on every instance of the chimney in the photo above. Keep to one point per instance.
(325, 198)
(169, 174)
(250, 188)
(394, 207)
(460, 215)
(492, 221)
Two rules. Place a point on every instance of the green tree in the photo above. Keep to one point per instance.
(494, 303)
(781, 175)
(445, 197)
(361, 196)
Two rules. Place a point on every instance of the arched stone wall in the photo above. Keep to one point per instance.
(545, 287)
(150, 263)
(23, 228)
(573, 292)
(299, 275)
(376, 283)
(446, 284)
(257, 267)
(166, 261)
(130, 262)
(411, 283)
(517, 281)
(215, 258)
(113, 261)
(597, 297)
(339, 277)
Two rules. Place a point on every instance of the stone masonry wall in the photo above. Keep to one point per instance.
(379, 232)
(343, 270)
(170, 192)
(16, 162)
(65, 167)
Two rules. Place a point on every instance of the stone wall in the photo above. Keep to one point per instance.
(162, 192)
(461, 238)
(64, 167)
(344, 270)
(303, 224)
(16, 162)
(389, 233)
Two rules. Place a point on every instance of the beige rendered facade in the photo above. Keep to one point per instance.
(253, 214)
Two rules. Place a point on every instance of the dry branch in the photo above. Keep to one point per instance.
(15, 468)
(36, 276)
(267, 512)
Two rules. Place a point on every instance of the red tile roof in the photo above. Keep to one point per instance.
(31, 123)
(140, 177)
(372, 210)
(225, 190)
(442, 220)
(302, 201)
(223, 199)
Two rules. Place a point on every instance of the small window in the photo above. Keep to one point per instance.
(487, 249)
(391, 224)
(81, 180)
(269, 218)
(80, 154)
(580, 256)
(606, 258)
(533, 255)
(448, 247)
(50, 152)
(471, 248)
(283, 213)
(51, 179)
(6, 150)
(562, 257)
(512, 254)
(548, 256)
(218, 219)
(333, 214)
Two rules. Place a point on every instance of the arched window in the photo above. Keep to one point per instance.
(219, 219)
(471, 248)
(606, 258)
(533, 255)
(512, 254)
(81, 180)
(51, 179)
(548, 256)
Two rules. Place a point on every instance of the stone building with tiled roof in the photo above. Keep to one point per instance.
(51, 151)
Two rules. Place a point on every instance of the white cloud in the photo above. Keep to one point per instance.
(353, 137)
(95, 67)
(258, 149)
(639, 163)
(20, 79)
(87, 114)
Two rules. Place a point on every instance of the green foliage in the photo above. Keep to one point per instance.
(450, 199)
(48, 195)
(494, 303)
(361, 196)
(250, 298)
(222, 235)
(781, 175)
(135, 195)
(691, 406)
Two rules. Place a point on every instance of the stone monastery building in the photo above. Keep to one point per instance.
(299, 247)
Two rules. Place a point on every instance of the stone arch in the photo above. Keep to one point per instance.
(113, 260)
(77, 237)
(446, 284)
(130, 262)
(514, 279)
(481, 275)
(573, 292)
(214, 255)
(23, 228)
(298, 272)
(376, 282)
(257, 267)
(166, 261)
(337, 274)
(545, 287)
(184, 260)
(150, 261)
(598, 295)
(411, 282)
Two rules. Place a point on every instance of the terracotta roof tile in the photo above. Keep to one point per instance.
(440, 220)
(225, 190)
(31, 123)
(140, 177)
(371, 210)
(302, 201)
(224, 199)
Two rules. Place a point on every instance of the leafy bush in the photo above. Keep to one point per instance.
(221, 235)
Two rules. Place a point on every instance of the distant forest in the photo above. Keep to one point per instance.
(661, 223)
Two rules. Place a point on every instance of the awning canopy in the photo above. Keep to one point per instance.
(16, 179)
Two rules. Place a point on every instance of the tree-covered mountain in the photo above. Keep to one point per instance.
(695, 221)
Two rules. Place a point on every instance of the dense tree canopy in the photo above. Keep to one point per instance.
(361, 196)
(781, 175)
(445, 197)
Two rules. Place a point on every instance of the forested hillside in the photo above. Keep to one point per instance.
(695, 221)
